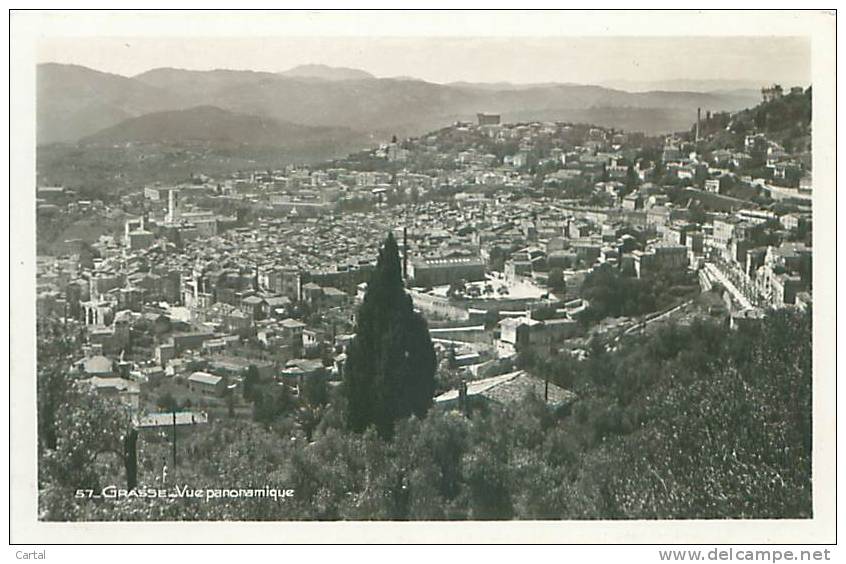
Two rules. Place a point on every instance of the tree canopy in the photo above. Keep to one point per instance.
(390, 365)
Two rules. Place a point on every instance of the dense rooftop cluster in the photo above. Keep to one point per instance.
(514, 237)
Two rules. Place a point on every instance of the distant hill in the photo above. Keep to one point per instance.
(786, 120)
(503, 85)
(325, 72)
(686, 85)
(74, 101)
(315, 95)
(210, 125)
(404, 107)
(200, 85)
(411, 107)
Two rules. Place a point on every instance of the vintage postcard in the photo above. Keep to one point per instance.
(436, 277)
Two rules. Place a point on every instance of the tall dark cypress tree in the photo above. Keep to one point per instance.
(390, 370)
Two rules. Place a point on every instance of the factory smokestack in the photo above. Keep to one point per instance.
(698, 121)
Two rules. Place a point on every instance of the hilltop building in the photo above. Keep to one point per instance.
(488, 119)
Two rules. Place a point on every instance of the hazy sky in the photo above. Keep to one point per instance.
(445, 59)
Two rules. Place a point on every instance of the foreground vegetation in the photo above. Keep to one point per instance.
(690, 422)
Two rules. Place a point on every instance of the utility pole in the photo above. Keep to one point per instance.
(405, 253)
(174, 441)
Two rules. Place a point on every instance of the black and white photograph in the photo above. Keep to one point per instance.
(381, 274)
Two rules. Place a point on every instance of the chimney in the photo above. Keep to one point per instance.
(698, 121)
(546, 390)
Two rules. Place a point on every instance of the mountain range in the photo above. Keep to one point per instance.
(208, 124)
(314, 103)
(685, 85)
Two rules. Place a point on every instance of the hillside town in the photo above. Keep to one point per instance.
(504, 230)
